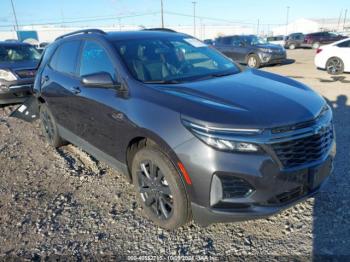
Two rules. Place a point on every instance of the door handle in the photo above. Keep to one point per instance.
(75, 90)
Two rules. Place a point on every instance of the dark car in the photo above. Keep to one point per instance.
(18, 62)
(209, 42)
(294, 40)
(250, 50)
(197, 135)
(315, 40)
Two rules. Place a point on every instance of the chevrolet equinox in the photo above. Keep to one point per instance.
(198, 136)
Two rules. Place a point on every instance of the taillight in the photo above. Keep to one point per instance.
(318, 50)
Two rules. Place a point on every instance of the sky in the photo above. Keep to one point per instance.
(176, 12)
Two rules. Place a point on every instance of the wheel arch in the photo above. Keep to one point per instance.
(148, 138)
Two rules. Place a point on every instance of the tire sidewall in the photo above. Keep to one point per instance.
(180, 212)
(291, 46)
(56, 141)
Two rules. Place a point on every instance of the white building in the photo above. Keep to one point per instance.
(306, 26)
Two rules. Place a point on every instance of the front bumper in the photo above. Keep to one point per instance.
(272, 58)
(228, 187)
(15, 92)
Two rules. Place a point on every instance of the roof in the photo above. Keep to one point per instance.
(141, 34)
(13, 43)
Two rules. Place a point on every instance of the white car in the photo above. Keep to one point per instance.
(277, 40)
(335, 57)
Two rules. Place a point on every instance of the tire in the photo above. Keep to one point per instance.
(160, 189)
(316, 45)
(253, 61)
(291, 46)
(335, 66)
(49, 127)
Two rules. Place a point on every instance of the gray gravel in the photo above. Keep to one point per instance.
(63, 202)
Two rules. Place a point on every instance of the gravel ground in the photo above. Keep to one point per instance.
(63, 202)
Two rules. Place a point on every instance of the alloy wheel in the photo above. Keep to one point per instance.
(334, 66)
(252, 62)
(154, 190)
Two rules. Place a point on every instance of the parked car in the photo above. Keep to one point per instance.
(250, 50)
(196, 134)
(277, 40)
(294, 40)
(18, 62)
(315, 40)
(209, 42)
(335, 57)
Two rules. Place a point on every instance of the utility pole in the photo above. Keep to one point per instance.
(287, 20)
(341, 12)
(257, 27)
(14, 14)
(162, 12)
(346, 12)
(194, 18)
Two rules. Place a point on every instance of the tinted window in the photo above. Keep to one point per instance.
(344, 44)
(65, 58)
(95, 59)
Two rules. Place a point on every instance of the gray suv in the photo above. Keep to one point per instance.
(198, 136)
(250, 50)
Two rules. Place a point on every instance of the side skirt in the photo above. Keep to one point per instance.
(95, 152)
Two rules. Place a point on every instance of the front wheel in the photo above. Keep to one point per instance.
(335, 66)
(49, 127)
(160, 189)
(253, 61)
(291, 46)
(316, 45)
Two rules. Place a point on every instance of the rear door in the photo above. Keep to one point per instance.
(60, 83)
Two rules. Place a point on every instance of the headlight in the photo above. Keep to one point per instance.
(219, 138)
(7, 75)
(266, 50)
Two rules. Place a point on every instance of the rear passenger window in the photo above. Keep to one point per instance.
(344, 44)
(95, 59)
(65, 58)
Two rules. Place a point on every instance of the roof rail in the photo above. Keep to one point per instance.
(84, 31)
(160, 29)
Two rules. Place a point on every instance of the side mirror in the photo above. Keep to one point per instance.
(241, 44)
(102, 79)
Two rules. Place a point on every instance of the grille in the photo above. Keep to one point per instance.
(234, 187)
(289, 196)
(304, 150)
(27, 73)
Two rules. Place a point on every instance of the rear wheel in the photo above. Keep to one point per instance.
(253, 61)
(161, 191)
(49, 127)
(335, 66)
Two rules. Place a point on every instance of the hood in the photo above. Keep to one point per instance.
(251, 99)
(273, 47)
(15, 65)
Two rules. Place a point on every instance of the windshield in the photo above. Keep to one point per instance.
(15, 53)
(254, 40)
(173, 60)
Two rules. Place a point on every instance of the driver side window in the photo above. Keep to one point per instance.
(95, 59)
